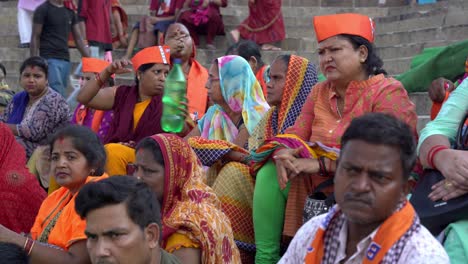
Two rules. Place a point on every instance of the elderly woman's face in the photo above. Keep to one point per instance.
(150, 171)
(214, 85)
(33, 80)
(179, 40)
(339, 61)
(275, 86)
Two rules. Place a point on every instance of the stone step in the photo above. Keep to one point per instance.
(330, 3)
(422, 122)
(423, 103)
(299, 21)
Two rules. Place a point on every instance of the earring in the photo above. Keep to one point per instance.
(92, 172)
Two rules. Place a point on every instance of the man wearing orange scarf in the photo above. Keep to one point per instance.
(373, 222)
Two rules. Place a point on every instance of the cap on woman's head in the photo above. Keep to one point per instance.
(153, 54)
(93, 65)
(352, 24)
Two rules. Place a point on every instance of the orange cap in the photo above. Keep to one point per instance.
(154, 54)
(93, 65)
(353, 24)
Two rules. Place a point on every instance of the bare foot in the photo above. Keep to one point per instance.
(270, 47)
(233, 36)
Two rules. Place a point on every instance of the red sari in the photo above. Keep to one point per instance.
(20, 193)
(265, 22)
(211, 27)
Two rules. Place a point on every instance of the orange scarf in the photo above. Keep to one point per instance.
(196, 91)
(387, 235)
(97, 118)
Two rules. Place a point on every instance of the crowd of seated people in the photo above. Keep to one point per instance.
(103, 183)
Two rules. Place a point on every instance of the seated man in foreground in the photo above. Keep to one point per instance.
(123, 222)
(373, 222)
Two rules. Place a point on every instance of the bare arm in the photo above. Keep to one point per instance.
(242, 137)
(194, 133)
(35, 39)
(93, 96)
(188, 255)
(79, 41)
(43, 254)
(132, 43)
(428, 144)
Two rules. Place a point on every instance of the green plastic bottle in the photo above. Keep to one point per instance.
(175, 90)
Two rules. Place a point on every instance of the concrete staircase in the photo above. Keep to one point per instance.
(402, 31)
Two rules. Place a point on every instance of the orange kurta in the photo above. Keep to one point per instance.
(321, 121)
(69, 227)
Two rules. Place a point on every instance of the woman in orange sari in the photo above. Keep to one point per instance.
(177, 37)
(194, 227)
(57, 236)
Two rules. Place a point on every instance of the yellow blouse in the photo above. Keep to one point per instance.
(177, 240)
(138, 111)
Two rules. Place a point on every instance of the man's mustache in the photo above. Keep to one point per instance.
(363, 198)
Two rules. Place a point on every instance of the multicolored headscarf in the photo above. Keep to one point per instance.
(190, 207)
(242, 92)
(300, 78)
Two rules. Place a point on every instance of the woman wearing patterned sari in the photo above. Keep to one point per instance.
(38, 111)
(291, 81)
(57, 236)
(239, 104)
(194, 227)
(288, 169)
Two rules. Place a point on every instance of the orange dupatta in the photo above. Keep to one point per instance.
(197, 94)
(387, 235)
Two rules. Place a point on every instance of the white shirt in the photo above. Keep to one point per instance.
(421, 248)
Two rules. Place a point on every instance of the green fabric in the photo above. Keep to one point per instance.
(448, 62)
(456, 243)
(321, 77)
(425, 55)
(167, 258)
(450, 115)
(269, 204)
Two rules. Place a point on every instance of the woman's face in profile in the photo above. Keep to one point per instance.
(339, 60)
(214, 86)
(150, 171)
(275, 86)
